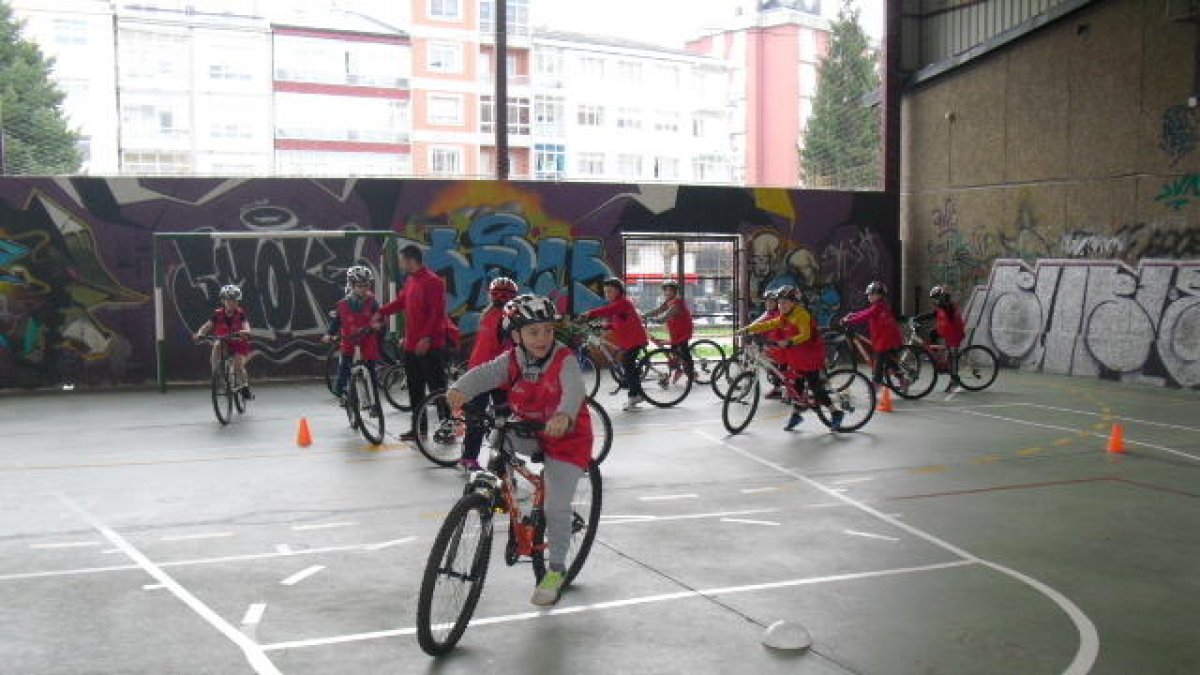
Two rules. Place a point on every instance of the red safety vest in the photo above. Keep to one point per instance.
(539, 401)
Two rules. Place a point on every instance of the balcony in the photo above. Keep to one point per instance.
(352, 135)
(350, 80)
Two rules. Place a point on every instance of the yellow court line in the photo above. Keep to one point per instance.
(1064, 441)
(1029, 452)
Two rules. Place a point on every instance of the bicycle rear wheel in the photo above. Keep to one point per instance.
(706, 356)
(602, 430)
(368, 411)
(395, 388)
(741, 402)
(853, 394)
(440, 432)
(585, 518)
(222, 394)
(666, 381)
(975, 368)
(727, 372)
(915, 374)
(454, 574)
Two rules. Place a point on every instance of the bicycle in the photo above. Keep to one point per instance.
(458, 562)
(226, 391)
(364, 410)
(911, 374)
(973, 367)
(849, 390)
(441, 432)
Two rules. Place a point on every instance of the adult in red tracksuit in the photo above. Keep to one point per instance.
(491, 340)
(885, 330)
(423, 301)
(628, 334)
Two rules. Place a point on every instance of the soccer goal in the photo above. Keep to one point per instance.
(289, 280)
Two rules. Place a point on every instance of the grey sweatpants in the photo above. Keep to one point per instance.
(560, 479)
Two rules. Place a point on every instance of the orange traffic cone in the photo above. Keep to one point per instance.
(885, 401)
(304, 436)
(1116, 440)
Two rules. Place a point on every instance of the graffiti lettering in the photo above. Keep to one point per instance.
(1082, 244)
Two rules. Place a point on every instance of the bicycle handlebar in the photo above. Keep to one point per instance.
(518, 427)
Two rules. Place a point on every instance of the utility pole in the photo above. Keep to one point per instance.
(501, 98)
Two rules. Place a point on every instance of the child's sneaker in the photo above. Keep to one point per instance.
(835, 420)
(470, 464)
(632, 402)
(549, 589)
(793, 421)
(246, 393)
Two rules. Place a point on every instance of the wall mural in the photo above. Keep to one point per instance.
(1098, 318)
(76, 274)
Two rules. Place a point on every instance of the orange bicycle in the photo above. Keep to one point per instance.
(458, 562)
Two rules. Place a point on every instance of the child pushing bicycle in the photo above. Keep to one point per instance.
(675, 313)
(801, 351)
(356, 322)
(229, 321)
(544, 383)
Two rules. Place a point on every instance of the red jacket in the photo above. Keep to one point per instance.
(489, 343)
(885, 331)
(351, 322)
(628, 331)
(805, 352)
(423, 301)
(950, 324)
(680, 326)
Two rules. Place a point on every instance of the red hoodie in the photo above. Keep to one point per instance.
(423, 300)
(628, 331)
(885, 331)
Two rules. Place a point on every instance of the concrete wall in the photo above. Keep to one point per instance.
(1075, 142)
(76, 260)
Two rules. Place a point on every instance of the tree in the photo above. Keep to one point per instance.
(842, 139)
(36, 137)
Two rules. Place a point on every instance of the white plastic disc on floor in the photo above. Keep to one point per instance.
(787, 635)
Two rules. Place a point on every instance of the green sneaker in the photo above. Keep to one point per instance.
(548, 591)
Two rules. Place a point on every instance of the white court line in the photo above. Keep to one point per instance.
(622, 520)
(1089, 639)
(1085, 432)
(1119, 417)
(208, 535)
(283, 549)
(748, 521)
(663, 498)
(152, 587)
(254, 614)
(630, 602)
(869, 535)
(847, 481)
(754, 491)
(386, 544)
(301, 575)
(254, 654)
(66, 544)
(322, 526)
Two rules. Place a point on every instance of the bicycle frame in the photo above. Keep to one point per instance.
(501, 491)
(762, 362)
(939, 354)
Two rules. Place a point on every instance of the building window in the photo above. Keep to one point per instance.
(666, 168)
(666, 121)
(548, 113)
(228, 71)
(629, 119)
(445, 9)
(589, 115)
(445, 110)
(153, 120)
(591, 164)
(629, 73)
(710, 168)
(445, 57)
(591, 68)
(445, 161)
(70, 32)
(629, 166)
(549, 161)
(155, 162)
(548, 66)
(518, 115)
(516, 13)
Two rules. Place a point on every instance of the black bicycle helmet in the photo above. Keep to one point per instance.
(615, 283)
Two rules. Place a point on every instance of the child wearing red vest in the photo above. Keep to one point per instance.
(491, 340)
(674, 311)
(229, 320)
(885, 331)
(628, 333)
(949, 325)
(356, 321)
(544, 383)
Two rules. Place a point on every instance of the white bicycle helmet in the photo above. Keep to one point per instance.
(231, 292)
(526, 310)
(359, 274)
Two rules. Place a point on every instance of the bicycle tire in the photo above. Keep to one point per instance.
(915, 363)
(982, 366)
(366, 398)
(395, 388)
(332, 359)
(583, 527)
(703, 361)
(743, 393)
(222, 395)
(439, 432)
(239, 403)
(729, 370)
(591, 375)
(854, 395)
(662, 389)
(602, 432)
(442, 558)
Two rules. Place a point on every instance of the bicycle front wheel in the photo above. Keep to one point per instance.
(851, 393)
(332, 359)
(602, 430)
(591, 374)
(368, 412)
(914, 375)
(395, 388)
(239, 402)
(440, 433)
(741, 402)
(222, 394)
(585, 518)
(666, 381)
(706, 356)
(728, 371)
(454, 574)
(975, 368)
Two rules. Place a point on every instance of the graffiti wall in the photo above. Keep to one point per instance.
(1093, 318)
(77, 258)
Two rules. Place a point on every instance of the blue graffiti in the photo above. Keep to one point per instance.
(10, 252)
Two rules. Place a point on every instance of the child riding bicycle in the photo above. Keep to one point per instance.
(229, 321)
(491, 340)
(885, 331)
(355, 320)
(801, 351)
(675, 313)
(628, 333)
(544, 383)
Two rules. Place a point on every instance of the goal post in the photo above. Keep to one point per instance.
(385, 280)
